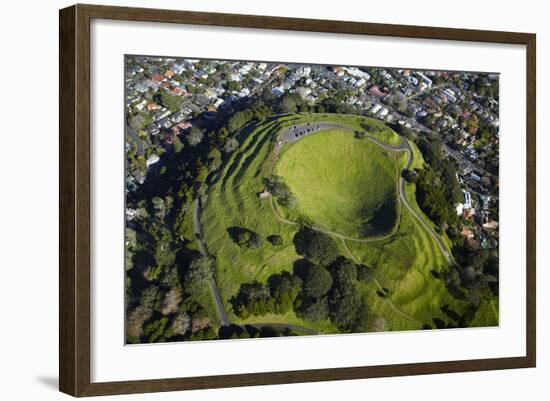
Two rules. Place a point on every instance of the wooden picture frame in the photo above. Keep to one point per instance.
(74, 202)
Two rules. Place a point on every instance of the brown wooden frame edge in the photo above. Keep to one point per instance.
(74, 199)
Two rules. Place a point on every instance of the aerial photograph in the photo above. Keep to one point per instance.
(272, 199)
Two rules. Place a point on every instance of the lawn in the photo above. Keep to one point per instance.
(342, 184)
(403, 263)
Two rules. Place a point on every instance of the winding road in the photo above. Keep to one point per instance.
(222, 314)
(296, 132)
(290, 135)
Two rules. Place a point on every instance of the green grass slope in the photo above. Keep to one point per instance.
(343, 184)
(403, 263)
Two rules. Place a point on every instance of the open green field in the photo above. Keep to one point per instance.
(341, 183)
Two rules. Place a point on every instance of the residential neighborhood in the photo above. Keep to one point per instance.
(166, 97)
(270, 199)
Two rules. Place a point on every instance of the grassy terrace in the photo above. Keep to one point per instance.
(356, 168)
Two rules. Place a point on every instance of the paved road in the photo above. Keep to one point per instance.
(224, 319)
(419, 218)
(283, 326)
(296, 132)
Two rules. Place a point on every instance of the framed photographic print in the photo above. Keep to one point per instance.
(250, 200)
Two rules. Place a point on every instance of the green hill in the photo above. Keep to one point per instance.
(342, 184)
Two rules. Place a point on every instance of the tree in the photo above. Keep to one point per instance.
(134, 323)
(275, 240)
(316, 246)
(268, 96)
(172, 300)
(233, 86)
(289, 103)
(230, 145)
(317, 281)
(150, 297)
(284, 288)
(200, 271)
(171, 102)
(245, 238)
(180, 325)
(314, 309)
(253, 299)
(214, 159)
(131, 244)
(154, 331)
(276, 186)
(344, 272)
(195, 136)
(410, 175)
(178, 144)
(137, 121)
(159, 207)
(348, 309)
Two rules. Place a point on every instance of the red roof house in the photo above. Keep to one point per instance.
(158, 78)
(375, 90)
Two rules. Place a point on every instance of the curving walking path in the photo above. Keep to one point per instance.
(298, 131)
(291, 135)
(388, 300)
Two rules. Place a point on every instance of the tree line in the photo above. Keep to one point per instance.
(323, 285)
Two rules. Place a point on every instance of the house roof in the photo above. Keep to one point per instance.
(375, 90)
(177, 91)
(158, 78)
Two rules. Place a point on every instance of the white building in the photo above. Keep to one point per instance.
(467, 199)
(375, 109)
(152, 160)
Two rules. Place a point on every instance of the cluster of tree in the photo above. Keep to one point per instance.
(476, 273)
(165, 291)
(158, 267)
(256, 111)
(410, 175)
(432, 198)
(277, 187)
(437, 188)
(277, 296)
(244, 237)
(336, 103)
(138, 120)
(450, 319)
(173, 305)
(486, 87)
(171, 102)
(233, 86)
(253, 331)
(473, 279)
(323, 285)
(290, 103)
